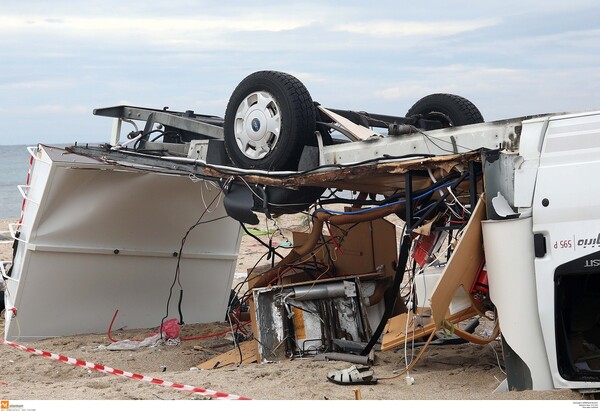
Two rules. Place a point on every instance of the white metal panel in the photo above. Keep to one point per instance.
(529, 151)
(513, 292)
(568, 180)
(575, 137)
(436, 142)
(103, 239)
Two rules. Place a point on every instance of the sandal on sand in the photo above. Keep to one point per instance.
(352, 376)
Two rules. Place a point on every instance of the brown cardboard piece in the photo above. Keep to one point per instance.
(363, 248)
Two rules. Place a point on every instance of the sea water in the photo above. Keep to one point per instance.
(14, 165)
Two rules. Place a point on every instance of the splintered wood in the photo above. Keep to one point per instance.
(409, 326)
(232, 357)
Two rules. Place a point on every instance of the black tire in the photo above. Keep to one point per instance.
(449, 109)
(297, 122)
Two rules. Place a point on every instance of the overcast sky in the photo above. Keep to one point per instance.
(61, 59)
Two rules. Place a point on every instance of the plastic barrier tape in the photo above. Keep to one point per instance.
(108, 370)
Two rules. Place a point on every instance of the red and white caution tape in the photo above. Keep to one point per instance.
(108, 370)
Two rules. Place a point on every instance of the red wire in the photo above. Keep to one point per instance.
(182, 339)
(110, 326)
(236, 318)
(336, 245)
(211, 335)
(285, 270)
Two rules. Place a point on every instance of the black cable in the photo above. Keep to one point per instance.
(177, 268)
(269, 247)
(413, 289)
(179, 307)
(399, 276)
(328, 254)
(241, 284)
(431, 138)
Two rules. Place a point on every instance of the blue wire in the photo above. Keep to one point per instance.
(420, 211)
(364, 210)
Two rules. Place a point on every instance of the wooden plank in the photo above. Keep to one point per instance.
(232, 357)
(462, 267)
(394, 333)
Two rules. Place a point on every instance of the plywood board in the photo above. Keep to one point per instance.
(395, 332)
(232, 357)
(462, 268)
(418, 326)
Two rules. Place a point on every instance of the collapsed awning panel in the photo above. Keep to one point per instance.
(95, 240)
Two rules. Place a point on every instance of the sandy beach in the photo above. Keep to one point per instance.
(445, 372)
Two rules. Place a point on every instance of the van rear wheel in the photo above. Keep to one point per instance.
(449, 109)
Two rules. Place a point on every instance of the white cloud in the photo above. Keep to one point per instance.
(178, 28)
(456, 79)
(59, 109)
(395, 28)
(406, 90)
(39, 85)
(72, 36)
